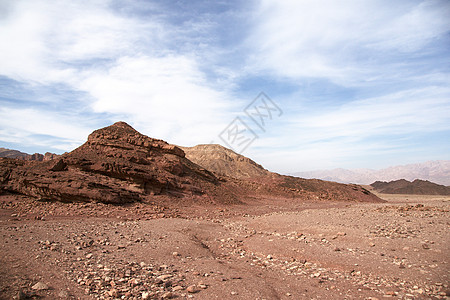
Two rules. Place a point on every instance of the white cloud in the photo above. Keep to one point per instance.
(344, 41)
(166, 97)
(26, 127)
(405, 112)
(172, 77)
(124, 63)
(354, 133)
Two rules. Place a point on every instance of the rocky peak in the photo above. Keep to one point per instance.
(121, 135)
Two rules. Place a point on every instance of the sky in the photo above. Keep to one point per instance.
(295, 85)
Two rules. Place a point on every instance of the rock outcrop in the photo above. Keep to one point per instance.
(117, 164)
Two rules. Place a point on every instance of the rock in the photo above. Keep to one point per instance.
(425, 246)
(167, 295)
(113, 293)
(21, 295)
(192, 289)
(40, 286)
(177, 288)
(164, 277)
(89, 255)
(63, 294)
(145, 295)
(59, 166)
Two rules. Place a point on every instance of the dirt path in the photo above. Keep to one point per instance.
(275, 250)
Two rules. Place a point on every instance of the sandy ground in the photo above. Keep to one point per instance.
(273, 249)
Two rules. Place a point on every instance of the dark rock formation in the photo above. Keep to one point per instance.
(416, 187)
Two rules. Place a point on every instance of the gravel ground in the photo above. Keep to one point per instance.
(273, 250)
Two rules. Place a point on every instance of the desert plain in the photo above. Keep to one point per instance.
(272, 249)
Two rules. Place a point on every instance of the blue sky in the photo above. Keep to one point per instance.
(361, 84)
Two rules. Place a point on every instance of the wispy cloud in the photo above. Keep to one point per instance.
(128, 65)
(347, 42)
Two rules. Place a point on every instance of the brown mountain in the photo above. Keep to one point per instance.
(117, 164)
(224, 161)
(417, 187)
(8, 153)
(256, 180)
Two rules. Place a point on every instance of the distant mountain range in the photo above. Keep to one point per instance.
(8, 153)
(417, 187)
(437, 171)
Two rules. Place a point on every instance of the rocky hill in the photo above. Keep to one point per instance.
(435, 171)
(117, 165)
(256, 181)
(417, 187)
(224, 161)
(8, 153)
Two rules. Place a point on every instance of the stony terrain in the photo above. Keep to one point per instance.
(125, 216)
(416, 187)
(274, 250)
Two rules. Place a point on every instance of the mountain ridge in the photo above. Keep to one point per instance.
(437, 171)
(416, 187)
(10, 153)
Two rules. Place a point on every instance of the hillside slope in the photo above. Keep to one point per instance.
(224, 161)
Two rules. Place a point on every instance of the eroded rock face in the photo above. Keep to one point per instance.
(116, 165)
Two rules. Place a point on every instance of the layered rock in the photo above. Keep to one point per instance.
(117, 164)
